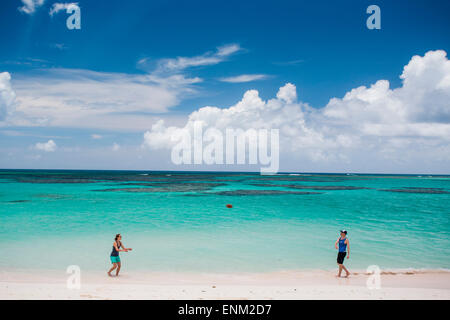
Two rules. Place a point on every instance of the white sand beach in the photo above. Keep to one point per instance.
(433, 285)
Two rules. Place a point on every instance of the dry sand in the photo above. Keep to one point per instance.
(276, 285)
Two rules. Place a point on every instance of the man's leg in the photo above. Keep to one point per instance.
(118, 268)
(345, 269)
(340, 269)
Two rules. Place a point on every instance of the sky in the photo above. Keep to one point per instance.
(111, 94)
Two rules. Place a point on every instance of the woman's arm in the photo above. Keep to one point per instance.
(125, 249)
(115, 246)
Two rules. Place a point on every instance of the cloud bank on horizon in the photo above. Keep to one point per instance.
(409, 124)
(410, 121)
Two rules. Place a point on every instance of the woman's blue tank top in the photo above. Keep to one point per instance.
(114, 252)
(342, 245)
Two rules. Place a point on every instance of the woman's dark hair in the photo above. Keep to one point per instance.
(117, 235)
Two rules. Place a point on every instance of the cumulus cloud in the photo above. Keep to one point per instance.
(288, 93)
(422, 99)
(373, 123)
(30, 6)
(7, 95)
(48, 146)
(283, 112)
(57, 7)
(244, 78)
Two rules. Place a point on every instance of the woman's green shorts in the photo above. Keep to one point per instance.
(115, 259)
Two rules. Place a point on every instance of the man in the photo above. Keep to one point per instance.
(344, 250)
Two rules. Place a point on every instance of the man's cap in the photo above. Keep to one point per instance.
(344, 231)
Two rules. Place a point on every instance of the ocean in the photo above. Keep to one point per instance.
(180, 222)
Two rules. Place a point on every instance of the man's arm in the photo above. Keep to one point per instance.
(336, 243)
(348, 249)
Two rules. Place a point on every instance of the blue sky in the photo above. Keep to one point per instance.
(323, 48)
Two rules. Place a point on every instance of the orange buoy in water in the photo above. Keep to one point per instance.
(229, 206)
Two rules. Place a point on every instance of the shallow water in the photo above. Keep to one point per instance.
(180, 222)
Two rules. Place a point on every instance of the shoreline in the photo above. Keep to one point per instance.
(316, 285)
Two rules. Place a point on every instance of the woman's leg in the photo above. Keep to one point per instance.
(118, 268)
(113, 267)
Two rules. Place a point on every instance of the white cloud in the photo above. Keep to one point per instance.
(422, 99)
(7, 95)
(251, 112)
(228, 49)
(115, 147)
(175, 65)
(84, 98)
(56, 7)
(369, 127)
(59, 46)
(30, 6)
(244, 78)
(174, 81)
(48, 146)
(288, 93)
(96, 136)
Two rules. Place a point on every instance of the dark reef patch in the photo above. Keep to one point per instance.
(118, 176)
(324, 188)
(417, 190)
(168, 187)
(310, 178)
(174, 184)
(54, 180)
(260, 192)
(18, 201)
(52, 196)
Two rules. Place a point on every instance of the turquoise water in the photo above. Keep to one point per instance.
(180, 222)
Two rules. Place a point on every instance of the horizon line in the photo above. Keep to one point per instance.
(241, 172)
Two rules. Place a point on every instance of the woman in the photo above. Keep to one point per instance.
(115, 259)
